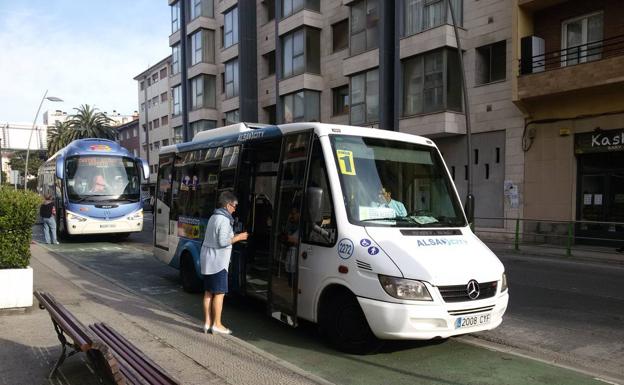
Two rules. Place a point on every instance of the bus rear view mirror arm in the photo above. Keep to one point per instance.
(146, 168)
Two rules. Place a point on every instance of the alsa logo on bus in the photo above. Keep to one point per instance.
(250, 135)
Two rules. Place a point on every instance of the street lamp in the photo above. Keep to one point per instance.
(52, 99)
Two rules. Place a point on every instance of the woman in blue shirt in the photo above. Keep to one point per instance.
(215, 259)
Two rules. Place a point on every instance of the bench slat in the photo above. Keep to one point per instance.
(70, 325)
(131, 356)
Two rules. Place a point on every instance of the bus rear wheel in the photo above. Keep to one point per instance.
(188, 275)
(343, 323)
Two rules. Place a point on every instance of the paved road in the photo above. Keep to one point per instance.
(566, 311)
(131, 264)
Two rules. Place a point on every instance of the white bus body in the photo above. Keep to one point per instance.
(358, 268)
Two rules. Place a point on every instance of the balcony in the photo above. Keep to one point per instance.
(589, 66)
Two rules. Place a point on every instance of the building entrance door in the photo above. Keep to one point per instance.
(600, 198)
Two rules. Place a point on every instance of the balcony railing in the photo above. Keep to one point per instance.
(596, 50)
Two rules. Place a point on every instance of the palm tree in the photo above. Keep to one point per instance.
(87, 122)
(58, 137)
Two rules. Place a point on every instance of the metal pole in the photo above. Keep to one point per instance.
(517, 240)
(466, 104)
(30, 138)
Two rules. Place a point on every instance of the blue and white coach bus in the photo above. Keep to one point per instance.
(357, 229)
(96, 187)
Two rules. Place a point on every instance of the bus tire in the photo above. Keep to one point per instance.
(188, 275)
(344, 325)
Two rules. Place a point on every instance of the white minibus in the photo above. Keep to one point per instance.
(357, 229)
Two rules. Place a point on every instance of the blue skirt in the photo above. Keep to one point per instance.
(216, 283)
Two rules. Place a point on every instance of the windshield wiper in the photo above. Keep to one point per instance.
(383, 219)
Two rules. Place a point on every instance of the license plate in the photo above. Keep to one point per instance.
(472, 321)
(107, 226)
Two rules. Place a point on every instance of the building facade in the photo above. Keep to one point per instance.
(373, 63)
(128, 136)
(155, 112)
(570, 85)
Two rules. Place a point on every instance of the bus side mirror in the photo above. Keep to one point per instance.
(146, 169)
(314, 201)
(469, 208)
(59, 167)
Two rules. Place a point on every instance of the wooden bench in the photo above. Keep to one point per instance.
(116, 360)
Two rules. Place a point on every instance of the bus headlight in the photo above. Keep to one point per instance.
(73, 217)
(404, 288)
(135, 216)
(504, 283)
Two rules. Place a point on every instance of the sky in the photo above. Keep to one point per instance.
(82, 51)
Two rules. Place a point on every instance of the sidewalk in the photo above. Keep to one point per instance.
(580, 253)
(29, 346)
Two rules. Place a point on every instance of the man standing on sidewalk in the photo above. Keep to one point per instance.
(48, 213)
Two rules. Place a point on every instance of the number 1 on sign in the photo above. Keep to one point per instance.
(345, 161)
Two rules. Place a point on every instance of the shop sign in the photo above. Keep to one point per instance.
(601, 141)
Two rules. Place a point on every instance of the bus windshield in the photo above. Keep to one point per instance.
(394, 184)
(99, 178)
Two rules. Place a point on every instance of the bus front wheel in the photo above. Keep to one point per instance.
(188, 275)
(343, 323)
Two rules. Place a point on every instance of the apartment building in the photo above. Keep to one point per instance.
(385, 64)
(570, 86)
(128, 136)
(155, 111)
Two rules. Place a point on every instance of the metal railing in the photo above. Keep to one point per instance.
(564, 235)
(596, 50)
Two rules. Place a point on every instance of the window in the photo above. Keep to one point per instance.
(301, 106)
(155, 78)
(420, 15)
(231, 117)
(271, 114)
(177, 135)
(164, 120)
(364, 26)
(340, 97)
(142, 106)
(322, 232)
(202, 8)
(432, 82)
(175, 59)
(202, 125)
(156, 145)
(156, 123)
(165, 142)
(163, 97)
(269, 9)
(340, 35)
(231, 79)
(364, 98)
(290, 7)
(230, 29)
(176, 95)
(203, 92)
(142, 86)
(202, 46)
(150, 125)
(163, 73)
(491, 62)
(175, 16)
(299, 57)
(269, 60)
(577, 36)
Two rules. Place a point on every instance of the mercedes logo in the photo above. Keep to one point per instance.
(472, 289)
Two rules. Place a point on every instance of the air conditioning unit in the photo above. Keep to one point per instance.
(532, 58)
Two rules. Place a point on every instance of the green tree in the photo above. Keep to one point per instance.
(58, 137)
(18, 161)
(88, 122)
